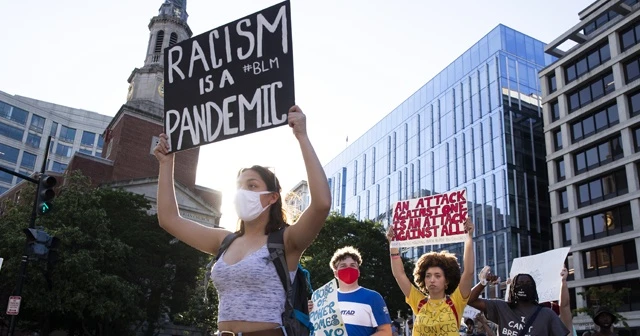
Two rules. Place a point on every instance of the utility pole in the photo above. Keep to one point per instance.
(32, 224)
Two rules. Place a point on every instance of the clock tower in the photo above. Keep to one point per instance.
(132, 134)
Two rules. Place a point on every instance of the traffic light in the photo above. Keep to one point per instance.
(45, 193)
(41, 243)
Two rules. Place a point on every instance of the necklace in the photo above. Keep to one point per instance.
(439, 302)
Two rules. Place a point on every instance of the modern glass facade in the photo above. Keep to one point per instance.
(476, 125)
(25, 125)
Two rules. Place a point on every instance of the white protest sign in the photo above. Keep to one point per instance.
(326, 316)
(545, 270)
(469, 312)
(430, 220)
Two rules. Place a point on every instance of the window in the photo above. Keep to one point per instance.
(67, 134)
(88, 138)
(58, 167)
(560, 170)
(564, 201)
(100, 142)
(37, 123)
(610, 259)
(602, 188)
(553, 86)
(590, 92)
(630, 36)
(588, 62)
(6, 177)
(600, 21)
(33, 140)
(373, 166)
(606, 223)
(629, 303)
(594, 123)
(11, 131)
(555, 110)
(159, 40)
(557, 137)
(9, 153)
(28, 161)
(85, 151)
(634, 104)
(598, 155)
(173, 39)
(64, 150)
(13, 113)
(566, 233)
(355, 177)
(636, 139)
(632, 69)
(54, 129)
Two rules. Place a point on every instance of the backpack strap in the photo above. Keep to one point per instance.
(275, 244)
(447, 300)
(223, 247)
(530, 320)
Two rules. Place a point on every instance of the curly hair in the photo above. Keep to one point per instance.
(443, 259)
(344, 253)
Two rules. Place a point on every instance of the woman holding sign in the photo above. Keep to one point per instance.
(441, 294)
(251, 294)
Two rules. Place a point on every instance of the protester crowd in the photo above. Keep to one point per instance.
(257, 274)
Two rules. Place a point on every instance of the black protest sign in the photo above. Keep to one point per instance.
(233, 80)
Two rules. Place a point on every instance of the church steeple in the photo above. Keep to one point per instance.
(146, 86)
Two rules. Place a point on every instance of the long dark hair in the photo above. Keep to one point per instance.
(513, 299)
(277, 215)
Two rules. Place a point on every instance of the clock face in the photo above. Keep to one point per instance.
(161, 89)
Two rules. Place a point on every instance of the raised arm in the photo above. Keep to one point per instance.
(198, 236)
(397, 267)
(299, 236)
(565, 302)
(466, 280)
(485, 277)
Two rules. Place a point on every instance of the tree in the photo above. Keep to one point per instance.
(200, 312)
(605, 297)
(369, 238)
(118, 272)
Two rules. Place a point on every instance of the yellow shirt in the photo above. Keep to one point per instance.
(436, 317)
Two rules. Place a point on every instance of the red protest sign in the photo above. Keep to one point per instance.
(430, 220)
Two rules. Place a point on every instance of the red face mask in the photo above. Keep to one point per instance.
(348, 275)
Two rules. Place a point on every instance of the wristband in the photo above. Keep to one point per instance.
(394, 254)
(483, 282)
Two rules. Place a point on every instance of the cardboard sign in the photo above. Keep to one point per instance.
(234, 80)
(469, 312)
(430, 220)
(326, 316)
(545, 270)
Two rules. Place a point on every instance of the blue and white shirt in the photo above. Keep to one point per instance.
(363, 310)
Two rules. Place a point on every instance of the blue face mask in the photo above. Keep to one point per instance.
(248, 205)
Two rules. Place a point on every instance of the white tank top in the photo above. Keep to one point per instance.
(249, 290)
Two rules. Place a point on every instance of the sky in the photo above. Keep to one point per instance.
(354, 62)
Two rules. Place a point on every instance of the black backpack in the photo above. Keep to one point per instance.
(295, 318)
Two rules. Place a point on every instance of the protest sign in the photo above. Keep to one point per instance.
(545, 270)
(234, 80)
(326, 316)
(430, 220)
(469, 312)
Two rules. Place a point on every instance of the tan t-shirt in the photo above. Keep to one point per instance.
(436, 317)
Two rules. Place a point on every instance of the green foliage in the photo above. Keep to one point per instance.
(117, 273)
(605, 297)
(369, 238)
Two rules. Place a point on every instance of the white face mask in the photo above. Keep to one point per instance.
(248, 205)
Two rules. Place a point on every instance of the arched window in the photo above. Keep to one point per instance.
(173, 39)
(159, 40)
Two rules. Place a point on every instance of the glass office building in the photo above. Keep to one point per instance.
(476, 125)
(25, 125)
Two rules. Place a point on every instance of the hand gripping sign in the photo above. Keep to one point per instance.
(430, 220)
